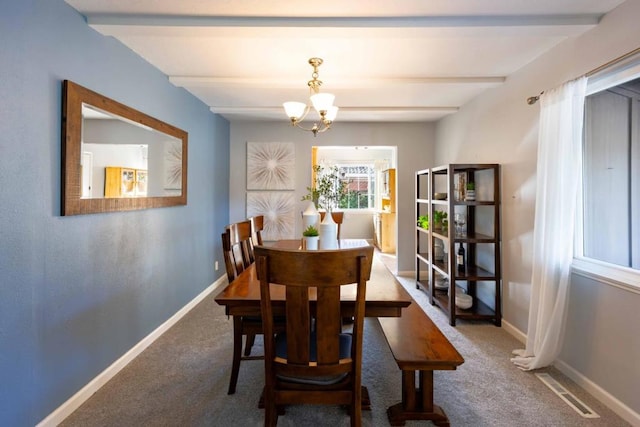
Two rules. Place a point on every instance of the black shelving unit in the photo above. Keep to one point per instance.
(482, 276)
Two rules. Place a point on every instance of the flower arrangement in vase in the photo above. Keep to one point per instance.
(328, 188)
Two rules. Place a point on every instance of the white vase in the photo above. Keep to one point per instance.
(311, 243)
(310, 216)
(328, 232)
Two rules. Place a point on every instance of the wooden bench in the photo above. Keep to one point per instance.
(418, 345)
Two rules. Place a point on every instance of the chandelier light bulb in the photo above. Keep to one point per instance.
(332, 112)
(294, 110)
(322, 101)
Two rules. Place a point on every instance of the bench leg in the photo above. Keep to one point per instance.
(417, 403)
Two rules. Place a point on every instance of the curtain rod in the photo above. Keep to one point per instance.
(533, 99)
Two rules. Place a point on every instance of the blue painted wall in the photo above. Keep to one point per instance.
(77, 292)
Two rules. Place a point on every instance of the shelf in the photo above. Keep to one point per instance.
(478, 311)
(473, 272)
(423, 257)
(421, 284)
(474, 203)
(441, 268)
(439, 234)
(474, 238)
(478, 246)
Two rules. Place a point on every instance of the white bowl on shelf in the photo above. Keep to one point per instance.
(464, 301)
(440, 196)
(442, 283)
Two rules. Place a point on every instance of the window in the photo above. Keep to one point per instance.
(609, 235)
(360, 182)
(359, 168)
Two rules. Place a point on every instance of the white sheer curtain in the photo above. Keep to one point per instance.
(558, 179)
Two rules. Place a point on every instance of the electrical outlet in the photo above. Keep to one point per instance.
(216, 265)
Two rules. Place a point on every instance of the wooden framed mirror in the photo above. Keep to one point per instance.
(115, 158)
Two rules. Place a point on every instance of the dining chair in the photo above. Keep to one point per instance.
(312, 362)
(257, 225)
(237, 249)
(338, 217)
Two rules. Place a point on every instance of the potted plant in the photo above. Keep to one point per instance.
(438, 218)
(470, 195)
(310, 236)
(423, 221)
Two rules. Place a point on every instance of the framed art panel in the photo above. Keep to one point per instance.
(278, 208)
(270, 166)
(173, 166)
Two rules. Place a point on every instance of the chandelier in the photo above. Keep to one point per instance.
(322, 103)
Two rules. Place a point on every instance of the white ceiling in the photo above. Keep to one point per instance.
(401, 60)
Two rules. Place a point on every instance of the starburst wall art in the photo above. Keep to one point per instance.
(173, 167)
(278, 208)
(270, 166)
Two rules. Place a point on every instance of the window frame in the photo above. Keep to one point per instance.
(371, 165)
(622, 277)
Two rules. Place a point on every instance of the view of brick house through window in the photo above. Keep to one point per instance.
(361, 186)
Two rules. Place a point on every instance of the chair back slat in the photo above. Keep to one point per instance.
(257, 225)
(298, 325)
(330, 324)
(228, 261)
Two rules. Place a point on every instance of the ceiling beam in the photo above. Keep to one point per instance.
(186, 81)
(453, 21)
(237, 110)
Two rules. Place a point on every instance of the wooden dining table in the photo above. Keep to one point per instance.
(385, 295)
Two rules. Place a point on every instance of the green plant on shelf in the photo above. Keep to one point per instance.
(438, 219)
(423, 221)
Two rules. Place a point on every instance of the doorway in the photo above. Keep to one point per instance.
(363, 168)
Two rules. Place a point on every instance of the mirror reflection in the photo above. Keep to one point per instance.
(121, 158)
(116, 158)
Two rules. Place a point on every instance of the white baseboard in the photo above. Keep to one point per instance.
(515, 332)
(589, 386)
(74, 402)
(626, 413)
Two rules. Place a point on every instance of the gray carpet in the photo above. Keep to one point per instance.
(182, 379)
